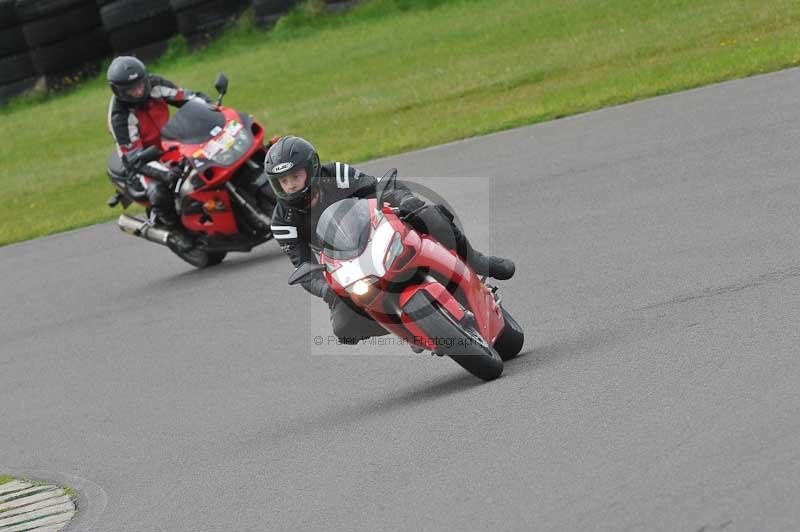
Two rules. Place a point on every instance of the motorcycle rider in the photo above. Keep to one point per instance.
(137, 112)
(305, 188)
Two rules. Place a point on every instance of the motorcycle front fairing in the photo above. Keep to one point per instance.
(216, 142)
(387, 285)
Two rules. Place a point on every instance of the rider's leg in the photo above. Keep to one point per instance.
(163, 204)
(437, 221)
(351, 325)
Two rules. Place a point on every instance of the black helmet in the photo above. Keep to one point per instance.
(286, 156)
(125, 75)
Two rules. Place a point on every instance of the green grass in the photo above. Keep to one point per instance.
(5, 479)
(393, 75)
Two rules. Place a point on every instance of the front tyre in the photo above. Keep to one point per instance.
(467, 348)
(509, 342)
(201, 259)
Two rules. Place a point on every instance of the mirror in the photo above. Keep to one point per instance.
(221, 84)
(305, 272)
(387, 182)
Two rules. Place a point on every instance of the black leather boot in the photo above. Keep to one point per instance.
(491, 266)
(438, 221)
(178, 239)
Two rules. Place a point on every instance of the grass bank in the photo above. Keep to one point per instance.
(394, 75)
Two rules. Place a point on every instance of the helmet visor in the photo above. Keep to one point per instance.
(291, 183)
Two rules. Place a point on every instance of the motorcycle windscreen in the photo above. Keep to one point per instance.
(194, 123)
(343, 229)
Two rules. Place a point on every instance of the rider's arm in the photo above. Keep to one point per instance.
(298, 251)
(124, 127)
(169, 92)
(362, 185)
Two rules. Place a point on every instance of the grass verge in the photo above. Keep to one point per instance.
(394, 75)
(4, 479)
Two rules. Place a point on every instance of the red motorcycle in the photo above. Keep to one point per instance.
(413, 286)
(220, 196)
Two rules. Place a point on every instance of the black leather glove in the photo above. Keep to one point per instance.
(329, 296)
(320, 288)
(169, 176)
(409, 204)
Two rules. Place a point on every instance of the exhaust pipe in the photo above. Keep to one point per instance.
(136, 227)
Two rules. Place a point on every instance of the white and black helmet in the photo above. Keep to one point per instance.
(125, 75)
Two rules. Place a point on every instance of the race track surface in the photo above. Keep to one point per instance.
(658, 282)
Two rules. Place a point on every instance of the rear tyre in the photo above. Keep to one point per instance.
(509, 343)
(467, 348)
(201, 259)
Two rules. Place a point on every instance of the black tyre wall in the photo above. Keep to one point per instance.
(34, 9)
(58, 27)
(12, 41)
(140, 34)
(15, 67)
(199, 19)
(12, 89)
(63, 56)
(133, 24)
(267, 11)
(8, 14)
(122, 13)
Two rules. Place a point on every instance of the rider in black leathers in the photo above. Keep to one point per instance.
(305, 188)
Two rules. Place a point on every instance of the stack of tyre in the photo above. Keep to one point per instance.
(339, 5)
(200, 20)
(267, 12)
(138, 27)
(65, 37)
(16, 69)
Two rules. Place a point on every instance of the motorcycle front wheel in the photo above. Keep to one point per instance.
(510, 341)
(467, 348)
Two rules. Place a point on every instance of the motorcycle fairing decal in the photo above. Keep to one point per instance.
(224, 141)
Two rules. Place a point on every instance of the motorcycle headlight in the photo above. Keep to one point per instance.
(233, 148)
(361, 286)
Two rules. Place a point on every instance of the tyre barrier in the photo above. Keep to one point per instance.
(65, 38)
(138, 27)
(54, 43)
(339, 5)
(267, 12)
(16, 68)
(201, 20)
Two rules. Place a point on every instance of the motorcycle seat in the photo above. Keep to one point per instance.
(119, 174)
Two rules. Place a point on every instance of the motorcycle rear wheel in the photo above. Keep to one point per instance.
(201, 259)
(467, 348)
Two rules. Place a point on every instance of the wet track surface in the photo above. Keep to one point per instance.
(658, 281)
